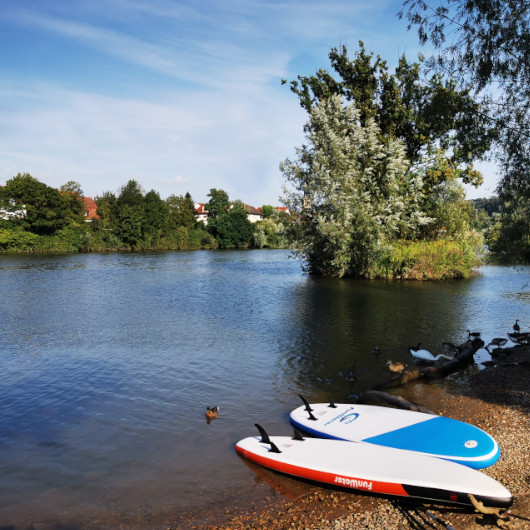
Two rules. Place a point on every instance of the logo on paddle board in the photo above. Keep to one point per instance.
(471, 444)
(354, 483)
(341, 417)
(349, 418)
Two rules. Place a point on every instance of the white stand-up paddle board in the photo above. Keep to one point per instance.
(374, 469)
(428, 434)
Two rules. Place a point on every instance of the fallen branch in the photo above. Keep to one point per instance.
(398, 401)
(463, 359)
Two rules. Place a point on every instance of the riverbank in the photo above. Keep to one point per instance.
(496, 399)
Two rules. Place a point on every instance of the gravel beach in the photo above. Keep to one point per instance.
(496, 399)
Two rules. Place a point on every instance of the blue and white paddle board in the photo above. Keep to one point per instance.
(374, 469)
(427, 434)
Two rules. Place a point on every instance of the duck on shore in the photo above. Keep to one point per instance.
(497, 341)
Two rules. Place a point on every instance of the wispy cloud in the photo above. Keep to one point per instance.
(182, 96)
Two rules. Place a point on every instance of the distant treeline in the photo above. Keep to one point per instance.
(35, 217)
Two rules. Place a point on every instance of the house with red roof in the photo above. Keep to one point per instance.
(90, 209)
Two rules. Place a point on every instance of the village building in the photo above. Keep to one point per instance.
(254, 214)
(8, 214)
(90, 209)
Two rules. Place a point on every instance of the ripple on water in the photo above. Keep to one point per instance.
(109, 362)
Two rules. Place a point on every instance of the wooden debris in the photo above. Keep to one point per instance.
(398, 401)
(502, 520)
(463, 359)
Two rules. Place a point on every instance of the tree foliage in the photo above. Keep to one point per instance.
(36, 218)
(233, 229)
(73, 195)
(181, 210)
(46, 210)
(228, 223)
(218, 203)
(429, 116)
(485, 46)
(350, 191)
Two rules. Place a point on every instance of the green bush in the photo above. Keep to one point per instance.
(428, 260)
(18, 241)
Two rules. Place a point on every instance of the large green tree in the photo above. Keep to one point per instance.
(155, 217)
(485, 46)
(432, 118)
(349, 191)
(181, 211)
(46, 210)
(233, 229)
(218, 204)
(129, 214)
(73, 195)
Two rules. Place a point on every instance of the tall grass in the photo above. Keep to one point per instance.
(428, 260)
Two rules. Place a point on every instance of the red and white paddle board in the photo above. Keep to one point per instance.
(374, 469)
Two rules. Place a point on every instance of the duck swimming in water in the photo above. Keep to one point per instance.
(212, 412)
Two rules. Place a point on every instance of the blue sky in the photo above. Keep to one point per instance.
(178, 95)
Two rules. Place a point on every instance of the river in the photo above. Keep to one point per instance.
(108, 362)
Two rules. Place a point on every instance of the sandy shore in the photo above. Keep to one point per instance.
(496, 399)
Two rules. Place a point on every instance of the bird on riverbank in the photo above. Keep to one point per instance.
(497, 341)
(472, 334)
(449, 348)
(396, 366)
(212, 412)
(516, 327)
(426, 355)
(520, 338)
(351, 377)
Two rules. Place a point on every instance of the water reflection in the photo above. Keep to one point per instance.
(340, 323)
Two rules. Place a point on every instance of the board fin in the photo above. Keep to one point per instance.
(332, 405)
(298, 435)
(266, 440)
(307, 407)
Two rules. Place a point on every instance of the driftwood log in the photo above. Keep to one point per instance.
(461, 360)
(397, 401)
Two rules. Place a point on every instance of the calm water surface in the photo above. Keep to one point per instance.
(109, 361)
